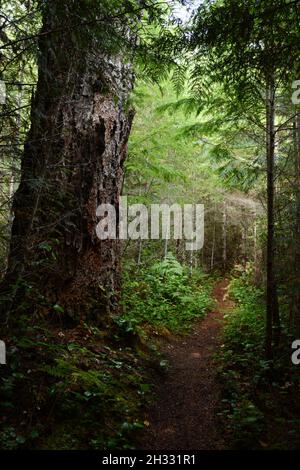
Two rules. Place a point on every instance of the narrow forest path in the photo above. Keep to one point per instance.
(184, 414)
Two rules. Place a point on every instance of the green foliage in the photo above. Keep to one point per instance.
(164, 296)
(245, 327)
(259, 407)
(78, 391)
(86, 391)
(241, 359)
(162, 161)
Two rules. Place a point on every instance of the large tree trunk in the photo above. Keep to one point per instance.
(72, 162)
(272, 318)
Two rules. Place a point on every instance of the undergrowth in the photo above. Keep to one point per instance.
(260, 409)
(79, 390)
(83, 388)
(164, 297)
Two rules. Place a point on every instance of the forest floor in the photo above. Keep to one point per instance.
(187, 399)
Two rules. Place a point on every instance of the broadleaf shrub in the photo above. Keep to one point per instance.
(164, 295)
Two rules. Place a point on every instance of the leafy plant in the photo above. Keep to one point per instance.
(164, 296)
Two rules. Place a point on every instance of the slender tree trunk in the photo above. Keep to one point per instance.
(72, 162)
(272, 313)
(177, 249)
(166, 247)
(296, 291)
(245, 246)
(11, 191)
(191, 262)
(213, 243)
(224, 237)
(256, 254)
(140, 247)
(255, 240)
(13, 164)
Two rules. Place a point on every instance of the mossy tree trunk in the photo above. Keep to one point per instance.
(72, 162)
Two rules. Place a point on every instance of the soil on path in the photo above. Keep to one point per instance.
(183, 416)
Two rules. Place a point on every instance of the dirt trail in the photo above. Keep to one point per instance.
(183, 416)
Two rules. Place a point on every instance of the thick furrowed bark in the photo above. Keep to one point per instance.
(72, 162)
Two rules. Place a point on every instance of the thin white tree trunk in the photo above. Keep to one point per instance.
(213, 243)
(224, 235)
